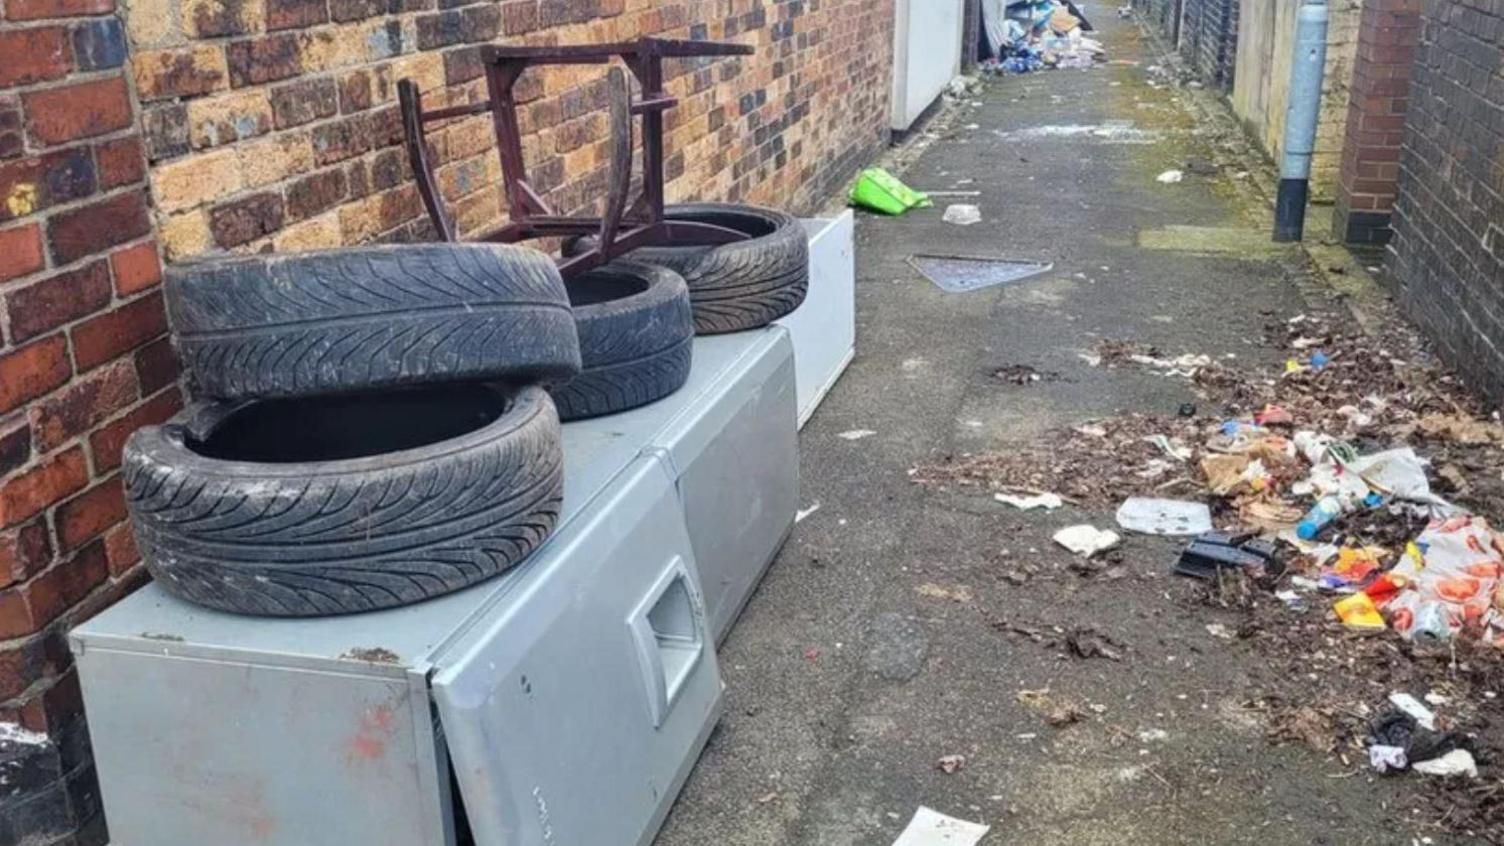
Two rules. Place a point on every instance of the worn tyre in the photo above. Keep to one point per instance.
(355, 319)
(308, 507)
(636, 333)
(742, 285)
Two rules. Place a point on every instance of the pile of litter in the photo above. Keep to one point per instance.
(1030, 35)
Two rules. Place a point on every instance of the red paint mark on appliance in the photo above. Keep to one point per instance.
(377, 726)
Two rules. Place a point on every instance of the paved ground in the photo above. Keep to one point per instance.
(851, 671)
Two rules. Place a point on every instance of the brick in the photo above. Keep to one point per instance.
(31, 371)
(165, 131)
(11, 142)
(20, 251)
(34, 54)
(120, 162)
(319, 233)
(82, 404)
(99, 44)
(136, 268)
(120, 549)
(293, 14)
(35, 183)
(519, 16)
(98, 226)
(341, 140)
(29, 10)
(64, 585)
(107, 441)
(259, 60)
(156, 366)
(25, 495)
(61, 298)
(90, 513)
(219, 18)
(15, 448)
(24, 552)
(315, 193)
(244, 220)
(186, 72)
(21, 664)
(304, 101)
(196, 180)
(355, 10)
(186, 235)
(355, 92)
(227, 118)
(59, 115)
(102, 338)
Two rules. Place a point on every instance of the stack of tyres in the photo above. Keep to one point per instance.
(373, 426)
(742, 285)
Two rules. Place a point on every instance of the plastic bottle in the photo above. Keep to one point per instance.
(1323, 512)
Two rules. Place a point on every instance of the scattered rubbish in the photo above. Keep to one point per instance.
(805, 512)
(1454, 568)
(1024, 36)
(1209, 555)
(1359, 612)
(880, 191)
(962, 274)
(1187, 409)
(1023, 374)
(1087, 540)
(1170, 177)
(1087, 642)
(1164, 516)
(962, 214)
(1047, 501)
(812, 654)
(1414, 709)
(950, 763)
(1173, 448)
(1153, 735)
(1387, 758)
(1326, 509)
(856, 434)
(932, 828)
(1218, 630)
(1458, 762)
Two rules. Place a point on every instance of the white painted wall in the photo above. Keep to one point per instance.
(926, 55)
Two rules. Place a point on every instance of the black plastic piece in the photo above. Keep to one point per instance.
(1211, 553)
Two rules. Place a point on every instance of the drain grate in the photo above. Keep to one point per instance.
(960, 274)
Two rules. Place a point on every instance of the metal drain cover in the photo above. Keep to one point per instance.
(960, 274)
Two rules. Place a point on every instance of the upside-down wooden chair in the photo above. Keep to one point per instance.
(621, 227)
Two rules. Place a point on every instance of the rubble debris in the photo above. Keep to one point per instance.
(962, 214)
(1087, 540)
(1057, 712)
(1212, 553)
(1087, 642)
(950, 763)
(1164, 516)
(855, 434)
(1047, 501)
(1170, 177)
(929, 827)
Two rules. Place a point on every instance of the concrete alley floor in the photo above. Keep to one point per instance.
(870, 650)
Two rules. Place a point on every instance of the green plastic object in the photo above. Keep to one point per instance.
(880, 191)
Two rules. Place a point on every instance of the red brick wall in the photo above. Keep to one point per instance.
(272, 123)
(1388, 35)
(82, 362)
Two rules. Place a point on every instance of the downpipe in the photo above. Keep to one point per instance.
(1302, 112)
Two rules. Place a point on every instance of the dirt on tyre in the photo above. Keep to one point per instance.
(303, 324)
(636, 335)
(744, 284)
(308, 507)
